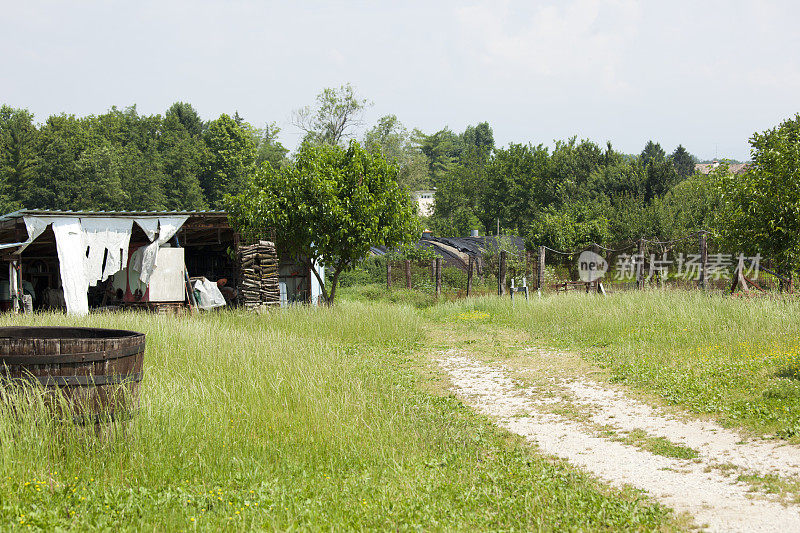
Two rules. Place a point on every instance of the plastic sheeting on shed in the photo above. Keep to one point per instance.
(210, 295)
(69, 243)
(167, 227)
(105, 239)
(91, 249)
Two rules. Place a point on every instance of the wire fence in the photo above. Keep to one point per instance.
(697, 260)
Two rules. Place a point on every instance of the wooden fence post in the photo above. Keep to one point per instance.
(388, 274)
(528, 263)
(408, 273)
(470, 268)
(433, 270)
(501, 274)
(540, 274)
(640, 265)
(438, 276)
(703, 260)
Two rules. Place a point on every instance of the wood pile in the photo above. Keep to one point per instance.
(259, 280)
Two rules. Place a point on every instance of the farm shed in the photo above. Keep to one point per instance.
(90, 259)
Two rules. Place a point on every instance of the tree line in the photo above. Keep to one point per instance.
(122, 160)
(565, 197)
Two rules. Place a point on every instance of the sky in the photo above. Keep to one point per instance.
(706, 75)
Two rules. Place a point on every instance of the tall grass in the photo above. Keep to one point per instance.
(737, 359)
(297, 419)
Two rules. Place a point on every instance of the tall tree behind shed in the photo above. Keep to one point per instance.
(230, 160)
(333, 118)
(327, 207)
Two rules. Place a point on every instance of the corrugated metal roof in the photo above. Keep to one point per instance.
(112, 214)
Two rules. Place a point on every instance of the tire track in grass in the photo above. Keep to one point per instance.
(717, 502)
(714, 443)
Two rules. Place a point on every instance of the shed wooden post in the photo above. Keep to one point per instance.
(540, 273)
(408, 273)
(438, 276)
(470, 268)
(433, 270)
(703, 261)
(501, 274)
(388, 274)
(640, 265)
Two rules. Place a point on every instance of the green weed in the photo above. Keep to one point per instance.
(300, 418)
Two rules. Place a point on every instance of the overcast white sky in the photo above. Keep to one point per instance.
(704, 74)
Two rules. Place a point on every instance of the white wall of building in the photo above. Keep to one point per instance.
(425, 200)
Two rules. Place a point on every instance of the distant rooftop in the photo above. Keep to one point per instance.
(733, 168)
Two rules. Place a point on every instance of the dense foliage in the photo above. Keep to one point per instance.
(124, 160)
(570, 196)
(566, 196)
(762, 208)
(331, 205)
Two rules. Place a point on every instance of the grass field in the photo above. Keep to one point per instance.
(298, 419)
(737, 360)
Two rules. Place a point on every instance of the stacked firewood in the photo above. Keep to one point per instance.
(259, 280)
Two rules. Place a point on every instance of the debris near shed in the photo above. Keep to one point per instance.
(259, 279)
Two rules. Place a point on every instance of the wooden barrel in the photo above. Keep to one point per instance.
(97, 370)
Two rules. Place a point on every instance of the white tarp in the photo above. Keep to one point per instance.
(71, 262)
(149, 227)
(167, 228)
(210, 295)
(105, 238)
(35, 227)
(83, 244)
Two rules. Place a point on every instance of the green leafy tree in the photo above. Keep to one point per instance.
(572, 164)
(230, 160)
(182, 157)
(443, 150)
(332, 120)
(458, 164)
(391, 139)
(100, 167)
(689, 206)
(457, 204)
(478, 141)
(388, 138)
(683, 162)
(761, 209)
(269, 148)
(631, 218)
(661, 174)
(570, 227)
(58, 182)
(186, 115)
(17, 156)
(652, 153)
(327, 207)
(516, 187)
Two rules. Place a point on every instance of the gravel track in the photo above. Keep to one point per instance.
(716, 501)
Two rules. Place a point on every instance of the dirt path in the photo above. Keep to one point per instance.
(600, 429)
